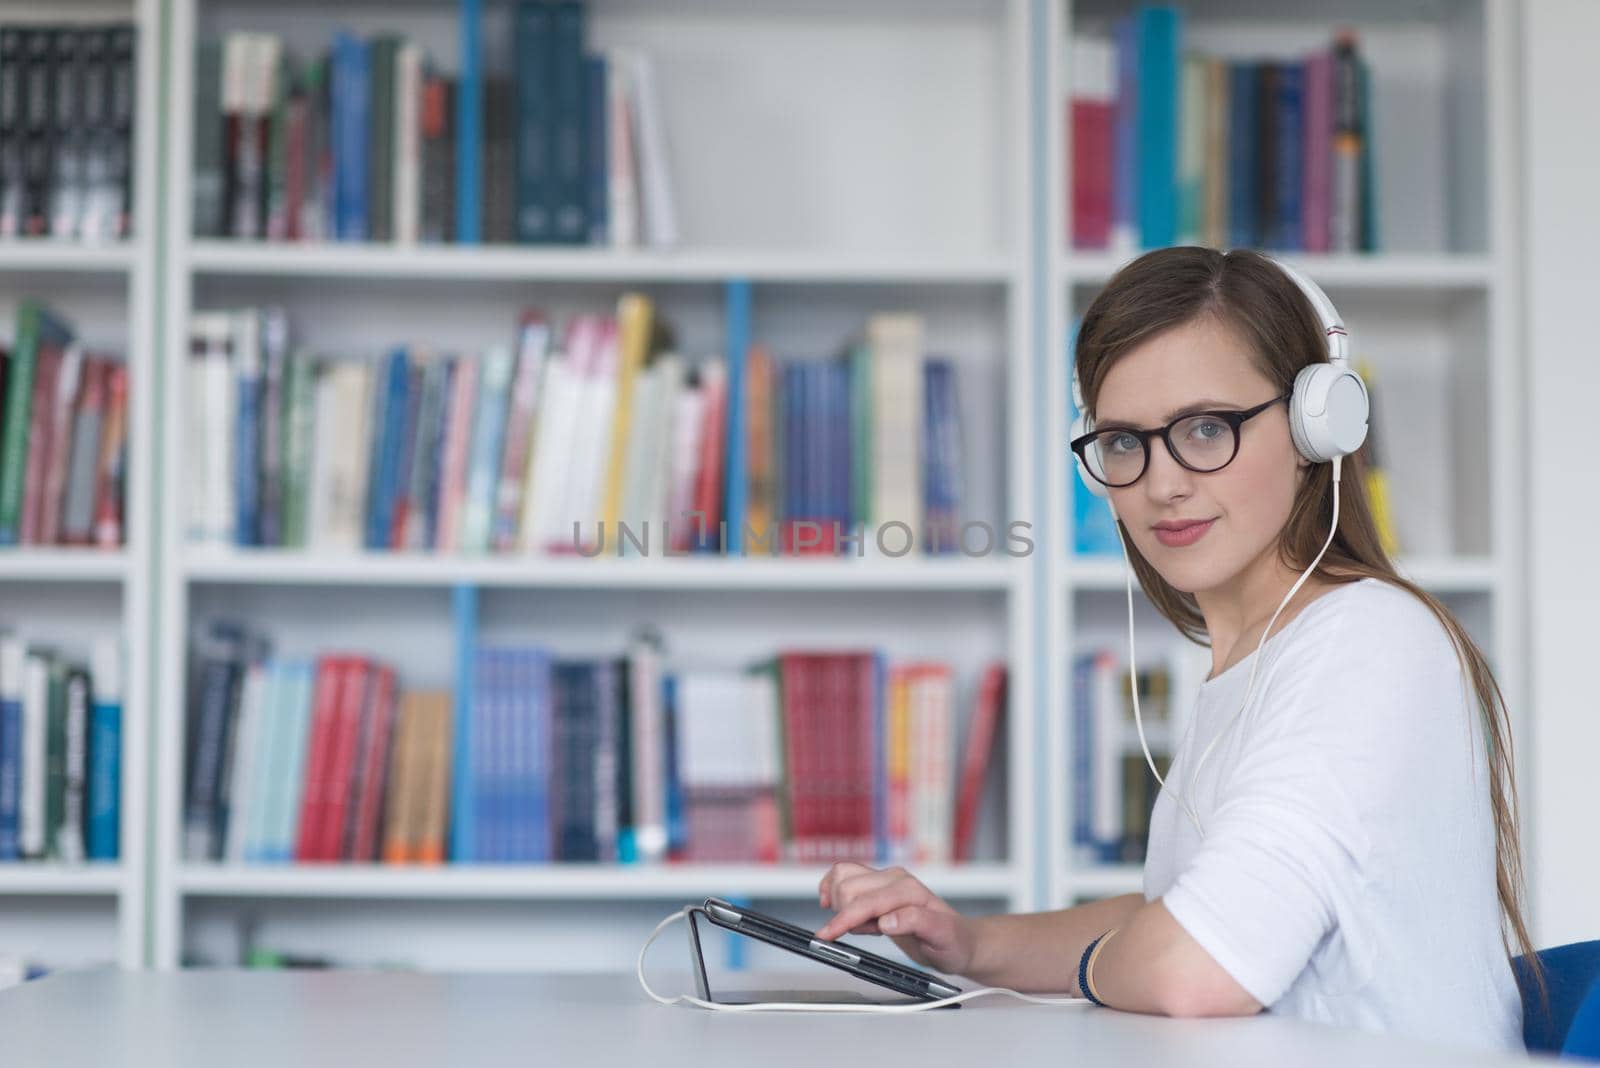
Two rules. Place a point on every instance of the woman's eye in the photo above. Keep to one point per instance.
(1122, 443)
(1209, 429)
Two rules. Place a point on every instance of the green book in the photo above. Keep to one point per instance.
(299, 417)
(380, 140)
(861, 431)
(36, 329)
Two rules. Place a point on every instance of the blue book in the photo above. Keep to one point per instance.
(12, 656)
(488, 752)
(1082, 742)
(297, 688)
(246, 435)
(104, 803)
(1125, 152)
(677, 827)
(433, 456)
(789, 421)
(469, 123)
(1160, 79)
(596, 150)
(838, 375)
(535, 42)
(1288, 139)
(569, 195)
(463, 791)
(736, 491)
(537, 742)
(1244, 81)
(391, 405)
(352, 116)
(488, 442)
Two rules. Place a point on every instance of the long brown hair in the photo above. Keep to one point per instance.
(1246, 292)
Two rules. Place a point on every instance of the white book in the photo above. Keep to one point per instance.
(648, 752)
(669, 388)
(637, 461)
(35, 728)
(212, 412)
(622, 181)
(654, 169)
(247, 748)
(897, 417)
(932, 785)
(545, 494)
(348, 449)
(597, 407)
(688, 424)
(1108, 682)
(407, 143)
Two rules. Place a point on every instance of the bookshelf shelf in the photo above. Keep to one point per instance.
(46, 255)
(610, 882)
(244, 566)
(1435, 574)
(465, 263)
(1383, 271)
(61, 880)
(63, 565)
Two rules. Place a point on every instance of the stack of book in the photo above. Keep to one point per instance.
(604, 441)
(66, 131)
(63, 437)
(1175, 148)
(369, 141)
(807, 757)
(60, 752)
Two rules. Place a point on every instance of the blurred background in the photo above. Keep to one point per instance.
(478, 475)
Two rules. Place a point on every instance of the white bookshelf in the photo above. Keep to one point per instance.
(899, 200)
(71, 915)
(1438, 307)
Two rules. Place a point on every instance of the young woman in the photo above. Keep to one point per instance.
(1347, 850)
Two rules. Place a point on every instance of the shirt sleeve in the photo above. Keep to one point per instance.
(1285, 843)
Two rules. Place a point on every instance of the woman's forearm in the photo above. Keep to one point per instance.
(1037, 952)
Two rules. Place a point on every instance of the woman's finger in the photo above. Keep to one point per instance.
(850, 887)
(871, 905)
(830, 879)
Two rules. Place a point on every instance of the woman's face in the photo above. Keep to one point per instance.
(1203, 363)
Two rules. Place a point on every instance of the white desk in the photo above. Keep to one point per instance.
(311, 1019)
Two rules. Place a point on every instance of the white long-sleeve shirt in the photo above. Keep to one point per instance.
(1347, 871)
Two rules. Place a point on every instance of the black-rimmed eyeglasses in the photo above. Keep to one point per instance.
(1201, 441)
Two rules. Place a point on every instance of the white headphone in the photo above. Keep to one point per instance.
(1327, 422)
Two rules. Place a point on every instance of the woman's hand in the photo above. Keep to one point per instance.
(890, 901)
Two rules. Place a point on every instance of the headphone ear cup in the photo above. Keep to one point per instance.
(1328, 412)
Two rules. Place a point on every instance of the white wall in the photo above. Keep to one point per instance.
(1561, 216)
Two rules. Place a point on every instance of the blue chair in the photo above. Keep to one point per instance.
(1571, 1027)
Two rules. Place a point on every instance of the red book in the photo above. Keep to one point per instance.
(108, 469)
(342, 760)
(313, 798)
(1092, 155)
(797, 738)
(708, 478)
(865, 735)
(296, 115)
(374, 760)
(68, 393)
(40, 409)
(975, 762)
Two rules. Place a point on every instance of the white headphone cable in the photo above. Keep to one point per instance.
(1133, 677)
(800, 1006)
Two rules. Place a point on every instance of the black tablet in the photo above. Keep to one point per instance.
(903, 979)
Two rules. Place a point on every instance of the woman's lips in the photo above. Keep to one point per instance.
(1177, 539)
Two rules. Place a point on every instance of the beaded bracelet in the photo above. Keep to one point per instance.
(1086, 965)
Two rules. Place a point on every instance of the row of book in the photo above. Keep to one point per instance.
(609, 441)
(805, 757)
(60, 752)
(371, 142)
(66, 130)
(1173, 147)
(1113, 790)
(63, 436)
